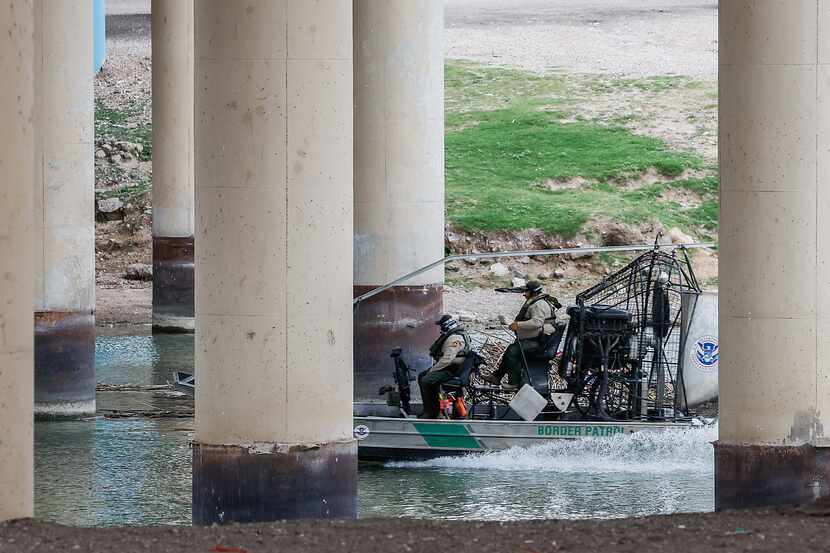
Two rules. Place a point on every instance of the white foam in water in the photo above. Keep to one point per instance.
(642, 452)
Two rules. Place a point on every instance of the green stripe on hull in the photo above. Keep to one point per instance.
(448, 435)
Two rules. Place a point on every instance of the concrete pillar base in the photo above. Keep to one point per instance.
(64, 364)
(402, 316)
(173, 284)
(247, 484)
(756, 476)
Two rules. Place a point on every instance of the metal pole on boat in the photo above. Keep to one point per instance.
(522, 253)
(16, 289)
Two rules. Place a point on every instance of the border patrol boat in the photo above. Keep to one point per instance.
(638, 353)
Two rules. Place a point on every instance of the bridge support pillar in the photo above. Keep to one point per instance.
(775, 253)
(399, 182)
(173, 165)
(274, 220)
(16, 291)
(64, 211)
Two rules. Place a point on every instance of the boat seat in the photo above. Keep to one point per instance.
(551, 347)
(471, 363)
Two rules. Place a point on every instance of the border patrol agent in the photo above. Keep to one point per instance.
(448, 351)
(535, 321)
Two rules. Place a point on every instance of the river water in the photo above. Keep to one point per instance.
(107, 472)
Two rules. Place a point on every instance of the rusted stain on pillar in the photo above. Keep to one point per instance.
(173, 283)
(755, 475)
(64, 364)
(403, 317)
(242, 484)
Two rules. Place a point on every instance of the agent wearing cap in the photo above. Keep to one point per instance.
(448, 351)
(534, 321)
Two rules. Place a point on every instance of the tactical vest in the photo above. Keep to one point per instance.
(551, 301)
(435, 351)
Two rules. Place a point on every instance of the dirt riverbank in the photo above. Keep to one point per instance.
(760, 531)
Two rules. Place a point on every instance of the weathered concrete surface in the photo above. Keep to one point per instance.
(775, 243)
(173, 282)
(763, 531)
(16, 258)
(173, 170)
(64, 231)
(244, 484)
(64, 364)
(399, 179)
(274, 209)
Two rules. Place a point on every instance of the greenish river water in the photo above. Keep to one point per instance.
(137, 471)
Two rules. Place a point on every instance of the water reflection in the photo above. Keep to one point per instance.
(105, 472)
(142, 359)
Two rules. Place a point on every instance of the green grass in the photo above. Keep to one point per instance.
(494, 170)
(125, 193)
(124, 125)
(510, 132)
(471, 87)
(658, 84)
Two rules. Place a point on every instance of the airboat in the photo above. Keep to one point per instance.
(637, 353)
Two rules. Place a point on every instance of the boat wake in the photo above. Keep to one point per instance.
(643, 452)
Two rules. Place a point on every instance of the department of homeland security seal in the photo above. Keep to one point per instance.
(361, 431)
(706, 353)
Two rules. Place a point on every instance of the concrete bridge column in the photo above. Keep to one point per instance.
(64, 210)
(775, 260)
(16, 291)
(172, 165)
(399, 181)
(274, 212)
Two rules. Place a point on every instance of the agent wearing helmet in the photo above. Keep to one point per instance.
(448, 351)
(534, 321)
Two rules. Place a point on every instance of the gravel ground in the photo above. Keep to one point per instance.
(621, 37)
(759, 531)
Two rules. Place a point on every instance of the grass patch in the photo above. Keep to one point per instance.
(471, 87)
(125, 193)
(124, 125)
(493, 171)
(510, 133)
(660, 83)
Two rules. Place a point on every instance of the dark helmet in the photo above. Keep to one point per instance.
(532, 286)
(446, 323)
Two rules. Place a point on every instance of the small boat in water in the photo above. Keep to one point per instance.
(638, 354)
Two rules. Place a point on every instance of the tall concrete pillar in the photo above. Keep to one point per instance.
(16, 292)
(64, 210)
(399, 181)
(173, 165)
(775, 260)
(273, 261)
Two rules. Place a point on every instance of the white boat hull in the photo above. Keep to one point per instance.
(385, 438)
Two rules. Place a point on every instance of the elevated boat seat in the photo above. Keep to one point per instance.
(538, 363)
